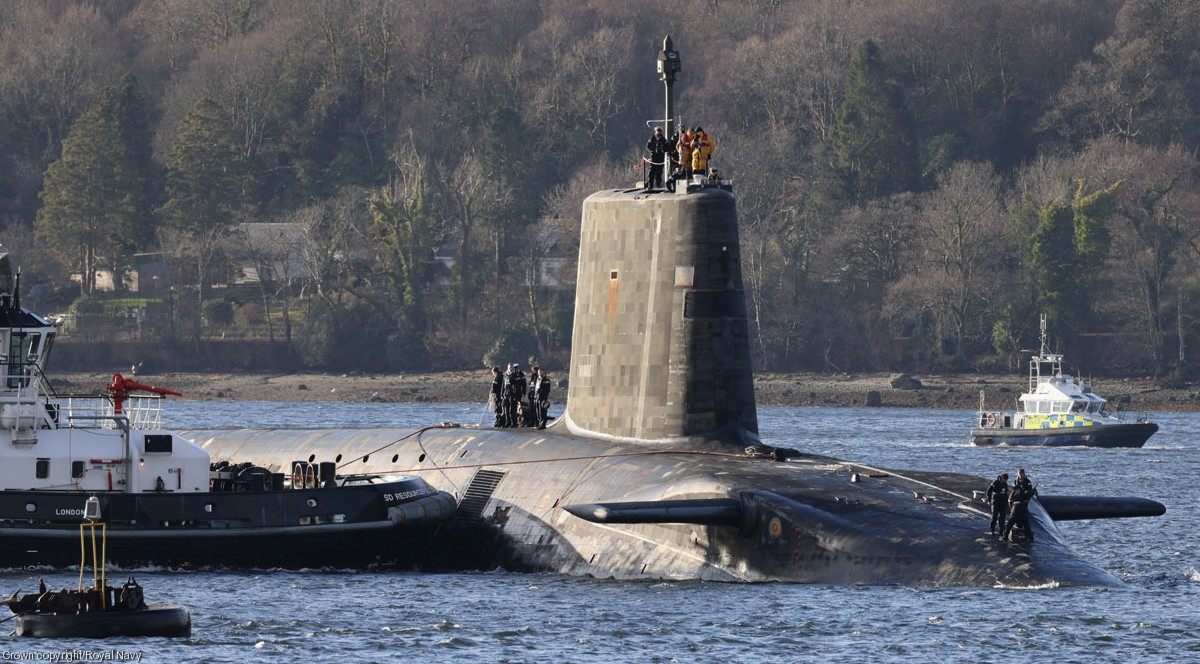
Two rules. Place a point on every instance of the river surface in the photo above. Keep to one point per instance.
(340, 615)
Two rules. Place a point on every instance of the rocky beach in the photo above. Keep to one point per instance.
(1135, 395)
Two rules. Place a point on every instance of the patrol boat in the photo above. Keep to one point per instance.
(1059, 410)
(164, 501)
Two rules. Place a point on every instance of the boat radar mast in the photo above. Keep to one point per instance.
(1045, 365)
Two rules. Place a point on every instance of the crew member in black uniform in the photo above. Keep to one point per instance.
(658, 147)
(497, 398)
(529, 416)
(997, 497)
(514, 389)
(1023, 491)
(541, 402)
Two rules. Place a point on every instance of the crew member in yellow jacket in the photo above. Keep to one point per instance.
(702, 149)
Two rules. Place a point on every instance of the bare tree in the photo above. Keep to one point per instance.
(585, 85)
(797, 79)
(1155, 230)
(335, 238)
(960, 227)
(55, 61)
(275, 249)
(473, 193)
(1136, 86)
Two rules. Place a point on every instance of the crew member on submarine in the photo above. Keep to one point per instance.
(658, 147)
(997, 499)
(496, 398)
(1018, 520)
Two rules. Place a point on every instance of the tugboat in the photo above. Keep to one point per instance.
(101, 610)
(166, 502)
(1059, 410)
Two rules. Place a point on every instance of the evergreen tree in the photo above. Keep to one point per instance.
(1092, 236)
(97, 195)
(872, 140)
(208, 181)
(1067, 250)
(1055, 265)
(140, 178)
(208, 176)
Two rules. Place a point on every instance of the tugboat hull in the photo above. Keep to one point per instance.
(352, 525)
(1108, 435)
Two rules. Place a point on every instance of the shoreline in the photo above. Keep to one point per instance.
(954, 392)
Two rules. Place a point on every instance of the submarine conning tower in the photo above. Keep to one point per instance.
(660, 351)
(660, 348)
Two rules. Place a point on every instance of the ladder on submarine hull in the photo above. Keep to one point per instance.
(476, 497)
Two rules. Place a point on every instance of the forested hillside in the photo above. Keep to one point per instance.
(917, 180)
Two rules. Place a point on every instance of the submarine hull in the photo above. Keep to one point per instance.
(808, 519)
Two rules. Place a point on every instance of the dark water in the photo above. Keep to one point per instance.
(497, 616)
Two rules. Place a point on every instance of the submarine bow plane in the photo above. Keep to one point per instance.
(655, 470)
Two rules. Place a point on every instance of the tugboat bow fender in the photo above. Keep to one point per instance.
(1074, 508)
(423, 511)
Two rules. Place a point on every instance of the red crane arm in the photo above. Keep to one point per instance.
(121, 386)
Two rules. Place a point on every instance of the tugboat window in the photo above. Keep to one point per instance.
(43, 468)
(158, 443)
(22, 353)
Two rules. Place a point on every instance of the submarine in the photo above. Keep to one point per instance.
(655, 469)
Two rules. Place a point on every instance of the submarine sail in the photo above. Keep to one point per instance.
(661, 349)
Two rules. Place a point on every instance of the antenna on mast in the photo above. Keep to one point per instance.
(1043, 352)
(668, 66)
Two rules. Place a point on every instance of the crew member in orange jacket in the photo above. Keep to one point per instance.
(685, 152)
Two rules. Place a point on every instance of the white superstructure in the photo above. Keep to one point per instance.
(100, 443)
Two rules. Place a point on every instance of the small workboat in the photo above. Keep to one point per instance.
(100, 610)
(1059, 410)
